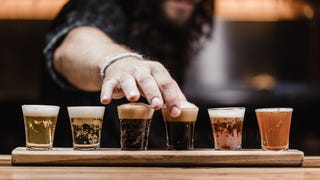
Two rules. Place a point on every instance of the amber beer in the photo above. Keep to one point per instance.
(274, 127)
(227, 124)
(86, 125)
(135, 121)
(180, 130)
(40, 123)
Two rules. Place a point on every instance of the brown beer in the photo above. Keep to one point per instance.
(86, 132)
(135, 121)
(86, 125)
(40, 123)
(180, 130)
(274, 127)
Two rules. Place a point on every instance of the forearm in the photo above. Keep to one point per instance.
(81, 55)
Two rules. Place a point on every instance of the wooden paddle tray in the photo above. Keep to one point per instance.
(197, 157)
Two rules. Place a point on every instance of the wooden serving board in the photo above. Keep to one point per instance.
(197, 157)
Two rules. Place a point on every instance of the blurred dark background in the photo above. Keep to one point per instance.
(252, 61)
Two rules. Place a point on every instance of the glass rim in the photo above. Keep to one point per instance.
(40, 105)
(86, 111)
(182, 108)
(184, 105)
(135, 106)
(227, 108)
(85, 107)
(275, 109)
(230, 112)
(40, 110)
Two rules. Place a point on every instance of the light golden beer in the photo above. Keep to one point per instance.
(86, 125)
(40, 123)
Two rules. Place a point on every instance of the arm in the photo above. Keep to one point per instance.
(81, 55)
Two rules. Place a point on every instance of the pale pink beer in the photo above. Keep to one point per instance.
(227, 126)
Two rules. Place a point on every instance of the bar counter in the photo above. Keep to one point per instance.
(310, 170)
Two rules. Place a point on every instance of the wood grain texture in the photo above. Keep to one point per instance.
(311, 161)
(157, 173)
(5, 160)
(116, 157)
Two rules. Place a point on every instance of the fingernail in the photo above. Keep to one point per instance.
(133, 93)
(104, 99)
(175, 112)
(156, 103)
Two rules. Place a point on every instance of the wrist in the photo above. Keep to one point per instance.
(110, 60)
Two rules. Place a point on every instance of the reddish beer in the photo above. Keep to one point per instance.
(227, 126)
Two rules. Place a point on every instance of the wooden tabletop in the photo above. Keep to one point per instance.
(310, 170)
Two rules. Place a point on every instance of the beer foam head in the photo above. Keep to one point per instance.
(183, 105)
(86, 111)
(135, 111)
(189, 113)
(40, 110)
(274, 110)
(228, 112)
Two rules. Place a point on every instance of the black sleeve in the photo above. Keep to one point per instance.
(106, 15)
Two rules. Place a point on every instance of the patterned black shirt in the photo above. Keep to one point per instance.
(106, 15)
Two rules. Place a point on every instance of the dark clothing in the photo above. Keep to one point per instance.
(108, 16)
(115, 18)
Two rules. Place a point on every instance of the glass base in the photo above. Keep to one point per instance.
(133, 149)
(274, 149)
(33, 148)
(86, 147)
(229, 149)
(179, 148)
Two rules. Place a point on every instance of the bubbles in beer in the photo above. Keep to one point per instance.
(86, 125)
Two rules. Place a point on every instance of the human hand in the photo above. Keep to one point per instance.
(132, 78)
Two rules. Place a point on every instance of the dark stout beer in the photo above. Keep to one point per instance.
(180, 135)
(134, 133)
(135, 121)
(180, 130)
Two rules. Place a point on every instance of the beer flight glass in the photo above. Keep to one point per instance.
(227, 124)
(135, 121)
(40, 123)
(180, 130)
(274, 127)
(86, 126)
